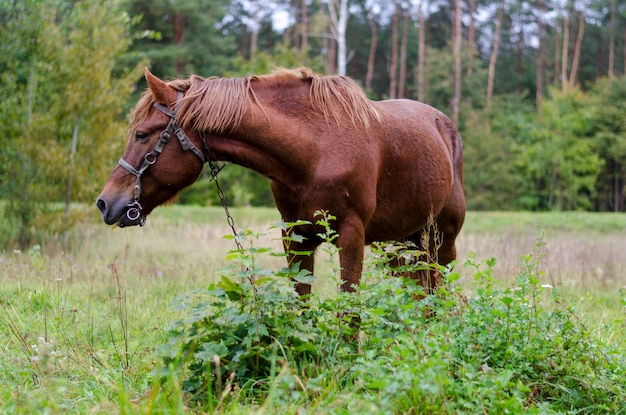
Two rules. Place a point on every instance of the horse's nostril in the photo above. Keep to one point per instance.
(101, 205)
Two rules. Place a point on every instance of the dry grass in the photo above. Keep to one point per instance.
(578, 252)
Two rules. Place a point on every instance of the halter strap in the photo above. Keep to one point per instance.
(133, 212)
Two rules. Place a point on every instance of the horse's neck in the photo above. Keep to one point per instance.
(266, 142)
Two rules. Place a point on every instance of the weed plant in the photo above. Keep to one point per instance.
(248, 343)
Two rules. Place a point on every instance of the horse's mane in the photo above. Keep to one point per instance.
(219, 104)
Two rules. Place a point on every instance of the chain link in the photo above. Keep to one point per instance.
(215, 169)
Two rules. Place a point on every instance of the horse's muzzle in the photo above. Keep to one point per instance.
(122, 216)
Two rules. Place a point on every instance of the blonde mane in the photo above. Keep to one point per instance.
(219, 104)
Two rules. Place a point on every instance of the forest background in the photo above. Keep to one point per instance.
(537, 89)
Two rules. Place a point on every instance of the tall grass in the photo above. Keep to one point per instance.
(82, 326)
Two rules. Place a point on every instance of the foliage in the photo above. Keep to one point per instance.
(560, 156)
(440, 75)
(609, 114)
(64, 112)
(241, 187)
(490, 137)
(185, 36)
(520, 349)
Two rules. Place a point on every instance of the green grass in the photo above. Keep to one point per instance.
(531, 222)
(82, 326)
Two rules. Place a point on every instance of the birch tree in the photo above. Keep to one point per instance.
(339, 13)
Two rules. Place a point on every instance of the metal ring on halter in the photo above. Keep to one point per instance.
(150, 158)
(134, 211)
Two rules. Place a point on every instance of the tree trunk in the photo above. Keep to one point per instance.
(456, 101)
(393, 67)
(540, 54)
(331, 55)
(254, 35)
(494, 53)
(421, 53)
(304, 22)
(471, 38)
(338, 28)
(616, 189)
(564, 57)
(293, 14)
(372, 55)
(68, 183)
(573, 77)
(612, 40)
(405, 40)
(179, 22)
(557, 57)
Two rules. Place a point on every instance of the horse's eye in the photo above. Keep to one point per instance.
(141, 136)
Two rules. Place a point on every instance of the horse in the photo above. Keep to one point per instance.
(384, 170)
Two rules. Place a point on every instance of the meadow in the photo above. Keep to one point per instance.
(82, 328)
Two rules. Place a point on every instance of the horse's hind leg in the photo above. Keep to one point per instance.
(450, 221)
(437, 240)
(429, 241)
(443, 234)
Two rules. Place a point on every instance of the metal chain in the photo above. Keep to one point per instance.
(215, 169)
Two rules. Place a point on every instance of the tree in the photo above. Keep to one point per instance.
(83, 54)
(540, 53)
(490, 138)
(609, 113)
(71, 127)
(494, 52)
(456, 42)
(393, 66)
(188, 36)
(561, 156)
(339, 13)
(371, 18)
(573, 77)
(612, 12)
(421, 50)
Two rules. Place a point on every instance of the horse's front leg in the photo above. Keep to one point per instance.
(350, 241)
(303, 253)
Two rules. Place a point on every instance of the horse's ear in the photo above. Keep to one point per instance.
(162, 92)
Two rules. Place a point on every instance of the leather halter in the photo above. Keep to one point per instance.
(134, 209)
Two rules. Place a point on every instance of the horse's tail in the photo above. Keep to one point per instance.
(453, 140)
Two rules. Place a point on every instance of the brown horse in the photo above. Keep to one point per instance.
(383, 169)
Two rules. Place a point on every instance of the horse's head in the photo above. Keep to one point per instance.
(152, 170)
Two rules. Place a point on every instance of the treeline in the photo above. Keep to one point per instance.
(536, 87)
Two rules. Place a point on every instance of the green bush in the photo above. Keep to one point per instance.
(249, 340)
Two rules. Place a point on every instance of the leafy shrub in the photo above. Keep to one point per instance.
(520, 349)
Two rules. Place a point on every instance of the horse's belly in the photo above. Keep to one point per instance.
(397, 225)
(405, 204)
